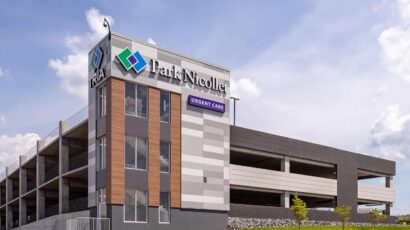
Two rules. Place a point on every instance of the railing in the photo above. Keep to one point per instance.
(79, 204)
(78, 161)
(51, 173)
(88, 223)
(32, 152)
(375, 193)
(77, 118)
(282, 181)
(53, 135)
(13, 167)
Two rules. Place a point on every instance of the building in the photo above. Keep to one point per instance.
(154, 149)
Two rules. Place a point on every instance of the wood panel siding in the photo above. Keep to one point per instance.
(175, 150)
(114, 175)
(153, 146)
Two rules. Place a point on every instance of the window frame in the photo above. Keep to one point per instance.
(136, 154)
(102, 101)
(136, 209)
(169, 106)
(169, 156)
(169, 208)
(101, 153)
(136, 100)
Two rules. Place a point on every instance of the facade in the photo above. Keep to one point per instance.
(154, 149)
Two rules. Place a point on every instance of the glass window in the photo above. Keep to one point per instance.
(164, 156)
(136, 100)
(164, 106)
(136, 151)
(136, 206)
(101, 153)
(164, 216)
(129, 206)
(101, 197)
(142, 93)
(130, 99)
(102, 101)
(142, 206)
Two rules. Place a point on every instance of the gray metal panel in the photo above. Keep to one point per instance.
(100, 127)
(136, 179)
(136, 126)
(164, 182)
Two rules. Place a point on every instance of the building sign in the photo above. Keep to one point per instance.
(95, 65)
(137, 62)
(206, 104)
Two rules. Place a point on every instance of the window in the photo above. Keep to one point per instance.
(101, 196)
(102, 101)
(136, 206)
(101, 153)
(164, 216)
(164, 156)
(136, 152)
(136, 100)
(164, 106)
(101, 205)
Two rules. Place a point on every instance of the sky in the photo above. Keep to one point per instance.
(326, 71)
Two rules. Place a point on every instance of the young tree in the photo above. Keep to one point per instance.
(299, 209)
(344, 214)
(376, 216)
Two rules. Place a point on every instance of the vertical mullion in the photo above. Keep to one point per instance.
(136, 153)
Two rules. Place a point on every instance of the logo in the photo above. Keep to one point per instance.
(95, 64)
(129, 60)
(96, 59)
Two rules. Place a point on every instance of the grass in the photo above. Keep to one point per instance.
(337, 228)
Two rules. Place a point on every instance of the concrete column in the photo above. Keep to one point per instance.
(285, 200)
(63, 163)
(23, 212)
(23, 181)
(40, 204)
(285, 164)
(40, 165)
(389, 182)
(9, 189)
(9, 217)
(388, 208)
(65, 195)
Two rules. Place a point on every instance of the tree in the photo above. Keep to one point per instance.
(376, 216)
(344, 214)
(299, 209)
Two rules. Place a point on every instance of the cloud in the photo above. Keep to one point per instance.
(244, 88)
(395, 43)
(72, 69)
(13, 146)
(2, 119)
(151, 41)
(1, 72)
(390, 135)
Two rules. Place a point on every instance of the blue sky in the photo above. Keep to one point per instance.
(331, 72)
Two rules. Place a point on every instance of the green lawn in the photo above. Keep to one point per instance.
(335, 228)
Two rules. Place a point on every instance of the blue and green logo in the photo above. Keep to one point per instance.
(132, 60)
(96, 59)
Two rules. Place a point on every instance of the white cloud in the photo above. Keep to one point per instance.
(2, 119)
(13, 146)
(395, 43)
(244, 88)
(151, 41)
(390, 135)
(1, 72)
(72, 69)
